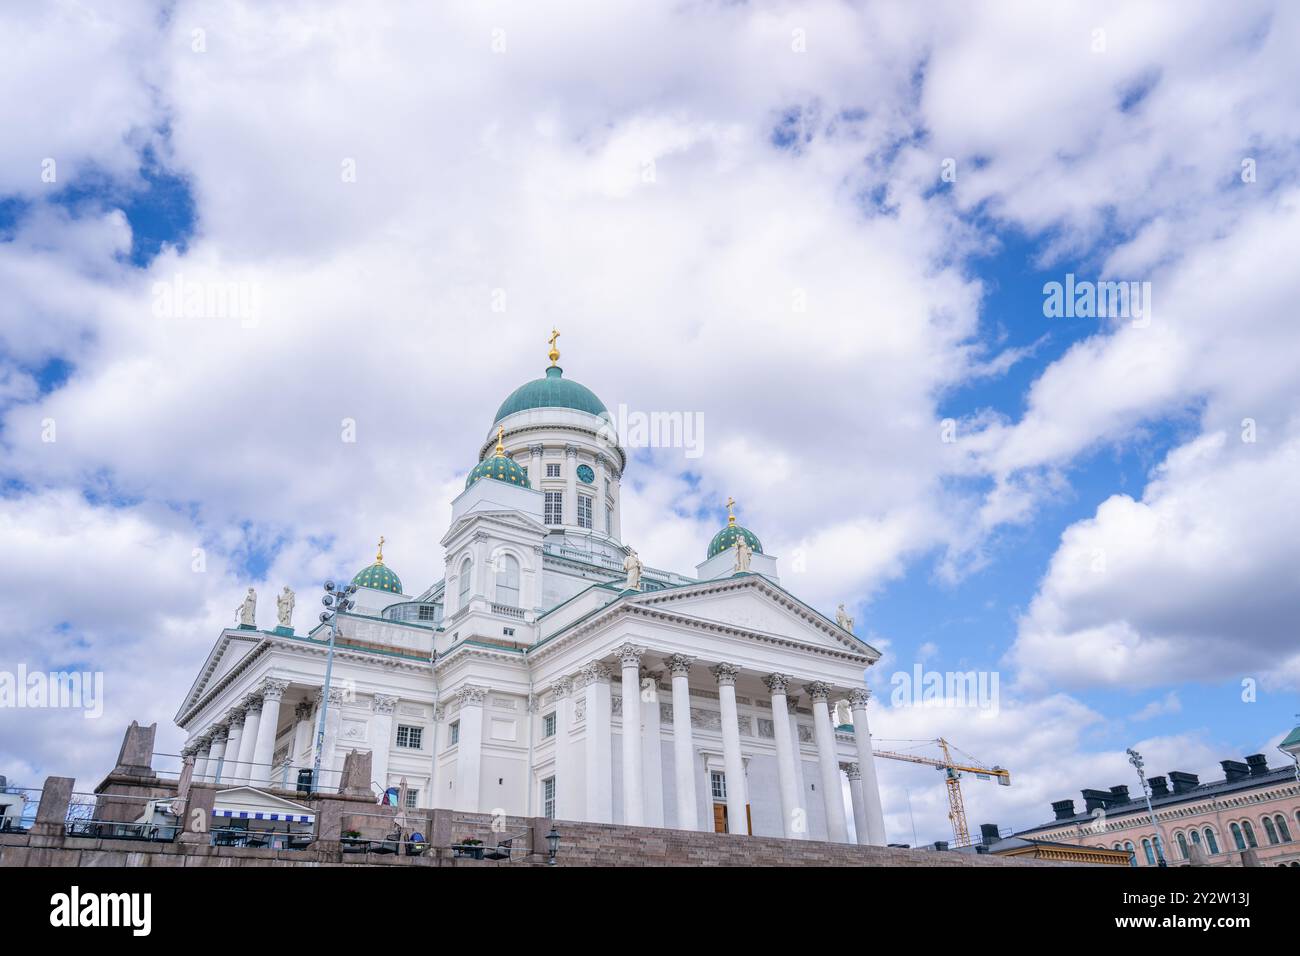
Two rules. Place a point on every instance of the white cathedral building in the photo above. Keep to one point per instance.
(550, 673)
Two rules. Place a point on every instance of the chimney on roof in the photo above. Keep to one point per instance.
(941, 844)
(1095, 800)
(1234, 770)
(1064, 809)
(1159, 787)
(1258, 764)
(1119, 795)
(1184, 781)
(989, 833)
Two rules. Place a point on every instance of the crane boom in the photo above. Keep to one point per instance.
(952, 778)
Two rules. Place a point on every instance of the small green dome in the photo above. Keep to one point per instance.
(380, 577)
(727, 537)
(553, 391)
(501, 468)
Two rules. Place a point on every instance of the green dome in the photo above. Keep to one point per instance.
(380, 577)
(726, 538)
(501, 468)
(554, 391)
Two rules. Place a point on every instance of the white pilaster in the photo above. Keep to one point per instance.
(598, 499)
(594, 678)
(733, 761)
(567, 796)
(570, 484)
(837, 828)
(536, 471)
(272, 692)
(629, 656)
(382, 724)
(330, 778)
(794, 816)
(858, 700)
(469, 749)
(683, 743)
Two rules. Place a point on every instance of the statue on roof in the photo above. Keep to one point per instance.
(284, 607)
(247, 611)
(743, 553)
(633, 566)
(843, 620)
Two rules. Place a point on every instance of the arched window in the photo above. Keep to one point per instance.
(1237, 837)
(1148, 852)
(1182, 846)
(1250, 833)
(1270, 831)
(1211, 844)
(466, 573)
(1132, 853)
(1282, 829)
(507, 581)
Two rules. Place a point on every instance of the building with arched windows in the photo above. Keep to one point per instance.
(1251, 816)
(552, 672)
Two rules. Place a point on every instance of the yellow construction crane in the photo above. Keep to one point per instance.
(952, 775)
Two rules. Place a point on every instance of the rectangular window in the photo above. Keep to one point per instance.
(410, 737)
(548, 797)
(718, 783)
(553, 471)
(412, 799)
(609, 519)
(584, 511)
(553, 507)
(428, 612)
(548, 725)
(454, 730)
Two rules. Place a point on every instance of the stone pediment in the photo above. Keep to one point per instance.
(504, 519)
(753, 603)
(230, 649)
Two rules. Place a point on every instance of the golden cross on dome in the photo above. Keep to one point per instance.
(501, 430)
(379, 555)
(731, 502)
(554, 353)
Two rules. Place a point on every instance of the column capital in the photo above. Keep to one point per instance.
(561, 687)
(535, 449)
(236, 714)
(725, 674)
(383, 704)
(777, 683)
(273, 688)
(570, 451)
(629, 655)
(189, 750)
(853, 770)
(471, 695)
(679, 664)
(858, 698)
(439, 712)
(220, 733)
(819, 691)
(590, 673)
(303, 710)
(253, 703)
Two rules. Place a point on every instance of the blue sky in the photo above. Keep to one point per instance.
(663, 185)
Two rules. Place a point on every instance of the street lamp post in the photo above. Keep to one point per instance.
(1135, 759)
(335, 599)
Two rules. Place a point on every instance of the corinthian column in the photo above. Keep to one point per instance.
(248, 742)
(594, 678)
(858, 699)
(629, 656)
(737, 795)
(272, 692)
(837, 828)
(383, 706)
(217, 754)
(793, 814)
(469, 749)
(566, 789)
(688, 817)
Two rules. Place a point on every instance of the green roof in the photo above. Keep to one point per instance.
(380, 577)
(553, 391)
(728, 536)
(1292, 739)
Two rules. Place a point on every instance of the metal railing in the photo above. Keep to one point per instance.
(121, 817)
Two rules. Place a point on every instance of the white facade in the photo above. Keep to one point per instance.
(506, 685)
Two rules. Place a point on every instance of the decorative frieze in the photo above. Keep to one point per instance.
(383, 704)
(471, 695)
(562, 687)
